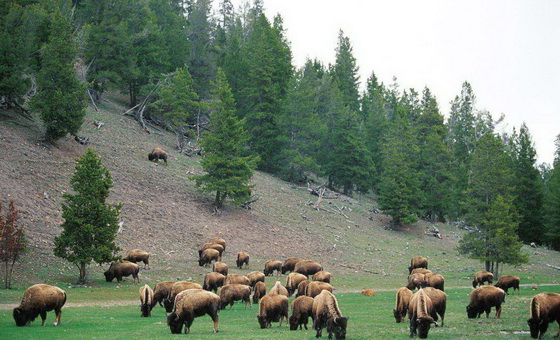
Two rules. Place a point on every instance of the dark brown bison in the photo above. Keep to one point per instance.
(216, 246)
(421, 271)
(212, 281)
(483, 299)
(507, 281)
(118, 269)
(302, 308)
(417, 262)
(137, 255)
(420, 313)
(278, 289)
(158, 154)
(439, 302)
(178, 287)
(272, 308)
(190, 304)
(220, 241)
(146, 301)
(289, 264)
(238, 278)
(326, 313)
(435, 280)
(38, 300)
(401, 303)
(544, 308)
(270, 266)
(207, 256)
(322, 276)
(235, 292)
(307, 267)
(302, 287)
(220, 267)
(315, 288)
(481, 277)
(161, 291)
(416, 280)
(259, 290)
(242, 259)
(293, 281)
(255, 277)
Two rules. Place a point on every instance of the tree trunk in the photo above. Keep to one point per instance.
(218, 202)
(82, 278)
(6, 278)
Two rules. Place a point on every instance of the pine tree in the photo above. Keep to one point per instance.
(199, 33)
(375, 123)
(228, 168)
(552, 205)
(60, 97)
(345, 73)
(90, 225)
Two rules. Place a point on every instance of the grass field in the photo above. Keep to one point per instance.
(369, 318)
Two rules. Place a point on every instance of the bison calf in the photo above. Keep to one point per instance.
(38, 300)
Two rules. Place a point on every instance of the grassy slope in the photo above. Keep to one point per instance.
(165, 215)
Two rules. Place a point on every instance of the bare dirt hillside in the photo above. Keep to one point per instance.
(164, 214)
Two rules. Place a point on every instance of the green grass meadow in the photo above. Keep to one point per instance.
(369, 318)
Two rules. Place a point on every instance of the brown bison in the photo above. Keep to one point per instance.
(545, 308)
(220, 267)
(417, 262)
(176, 288)
(507, 281)
(416, 280)
(322, 276)
(207, 256)
(420, 313)
(161, 291)
(421, 271)
(481, 277)
(315, 288)
(326, 313)
(238, 278)
(270, 266)
(38, 300)
(190, 304)
(158, 154)
(289, 264)
(212, 281)
(435, 280)
(293, 281)
(146, 301)
(483, 299)
(278, 289)
(235, 292)
(307, 267)
(242, 259)
(272, 308)
(439, 302)
(216, 246)
(401, 303)
(137, 255)
(219, 241)
(259, 290)
(302, 287)
(118, 269)
(302, 308)
(255, 277)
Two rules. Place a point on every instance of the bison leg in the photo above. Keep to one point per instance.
(43, 317)
(498, 311)
(58, 313)
(215, 319)
(412, 328)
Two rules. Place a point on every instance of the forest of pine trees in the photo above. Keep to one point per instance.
(313, 121)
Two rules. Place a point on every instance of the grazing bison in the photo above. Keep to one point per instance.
(190, 304)
(421, 271)
(235, 292)
(416, 280)
(158, 154)
(401, 303)
(289, 264)
(322, 276)
(481, 277)
(238, 278)
(420, 313)
(293, 281)
(483, 299)
(507, 281)
(259, 290)
(161, 291)
(220, 267)
(326, 313)
(119, 269)
(212, 281)
(207, 256)
(315, 288)
(137, 255)
(219, 241)
(302, 287)
(270, 266)
(38, 300)
(216, 246)
(545, 308)
(307, 267)
(242, 259)
(439, 302)
(435, 280)
(146, 301)
(417, 262)
(278, 289)
(176, 288)
(302, 308)
(272, 308)
(255, 277)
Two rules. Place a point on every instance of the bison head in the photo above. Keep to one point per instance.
(175, 323)
(423, 326)
(472, 312)
(151, 156)
(109, 276)
(263, 321)
(201, 262)
(474, 283)
(537, 326)
(338, 327)
(293, 323)
(168, 304)
(399, 317)
(21, 317)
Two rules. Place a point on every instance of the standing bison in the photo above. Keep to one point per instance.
(158, 154)
(146, 301)
(481, 277)
(506, 282)
(270, 266)
(38, 300)
(327, 314)
(417, 262)
(207, 256)
(137, 255)
(242, 259)
(289, 264)
(544, 308)
(272, 308)
(420, 314)
(302, 309)
(119, 269)
(307, 267)
(190, 304)
(402, 301)
(212, 281)
(483, 299)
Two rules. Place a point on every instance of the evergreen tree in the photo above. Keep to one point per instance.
(375, 123)
(345, 73)
(552, 199)
(199, 33)
(90, 225)
(60, 97)
(228, 169)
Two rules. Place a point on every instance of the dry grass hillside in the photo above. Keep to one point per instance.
(165, 215)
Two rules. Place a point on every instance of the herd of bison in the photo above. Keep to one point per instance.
(184, 300)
